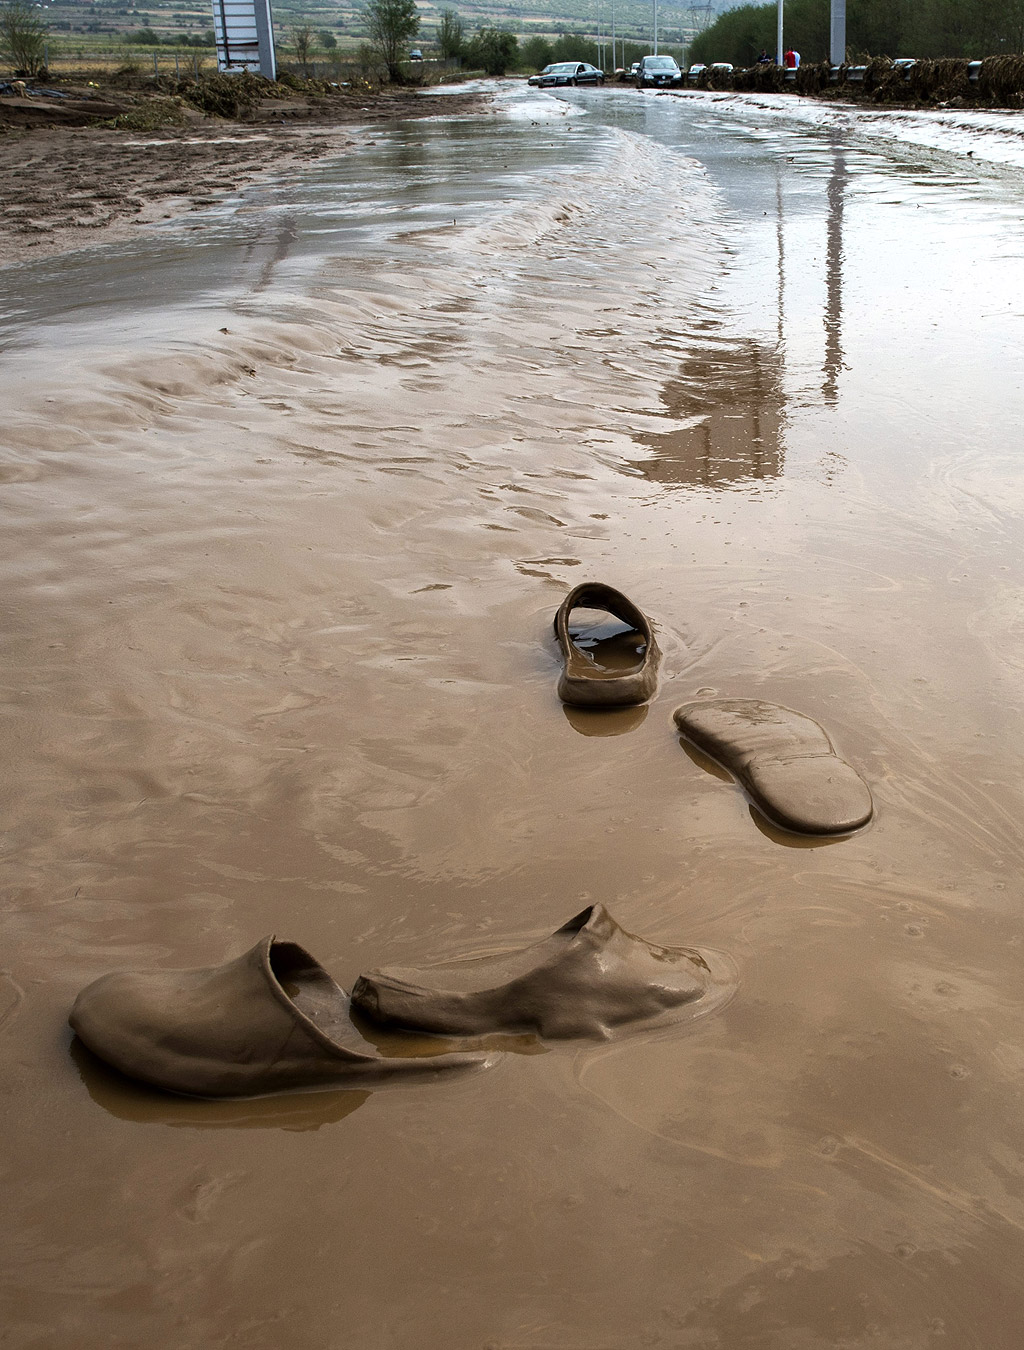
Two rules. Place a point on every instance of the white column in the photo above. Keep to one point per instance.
(837, 34)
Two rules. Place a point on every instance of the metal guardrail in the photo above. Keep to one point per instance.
(857, 74)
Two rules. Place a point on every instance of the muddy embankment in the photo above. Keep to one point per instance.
(89, 162)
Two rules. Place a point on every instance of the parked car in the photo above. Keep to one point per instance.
(536, 79)
(722, 66)
(415, 54)
(695, 70)
(567, 72)
(657, 71)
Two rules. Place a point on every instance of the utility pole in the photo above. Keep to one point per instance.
(655, 2)
(837, 34)
(779, 49)
(613, 37)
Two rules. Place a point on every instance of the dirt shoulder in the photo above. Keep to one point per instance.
(70, 183)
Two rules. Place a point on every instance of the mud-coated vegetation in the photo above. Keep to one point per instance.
(996, 82)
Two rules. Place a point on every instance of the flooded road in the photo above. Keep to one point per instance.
(291, 494)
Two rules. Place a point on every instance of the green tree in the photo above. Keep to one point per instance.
(143, 37)
(327, 40)
(1012, 36)
(571, 47)
(391, 25)
(535, 54)
(451, 35)
(738, 36)
(493, 50)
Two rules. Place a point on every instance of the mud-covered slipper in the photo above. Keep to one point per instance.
(587, 979)
(784, 760)
(606, 672)
(272, 1020)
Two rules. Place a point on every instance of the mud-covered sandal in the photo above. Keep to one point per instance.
(619, 671)
(589, 978)
(784, 760)
(272, 1020)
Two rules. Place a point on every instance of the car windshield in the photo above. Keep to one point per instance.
(565, 68)
(660, 63)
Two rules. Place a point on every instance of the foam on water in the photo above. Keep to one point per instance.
(993, 136)
(515, 99)
(520, 102)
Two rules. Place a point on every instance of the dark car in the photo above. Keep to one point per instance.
(657, 70)
(567, 72)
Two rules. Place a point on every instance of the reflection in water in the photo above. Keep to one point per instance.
(731, 394)
(780, 237)
(834, 274)
(607, 642)
(789, 838)
(286, 232)
(129, 1100)
(604, 722)
(705, 762)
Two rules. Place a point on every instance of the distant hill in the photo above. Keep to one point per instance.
(526, 18)
(96, 23)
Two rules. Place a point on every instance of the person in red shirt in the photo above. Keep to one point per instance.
(789, 59)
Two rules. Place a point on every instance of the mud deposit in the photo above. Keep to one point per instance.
(291, 494)
(72, 187)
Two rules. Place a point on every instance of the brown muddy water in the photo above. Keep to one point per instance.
(277, 658)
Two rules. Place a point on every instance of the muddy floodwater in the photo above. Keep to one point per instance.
(291, 492)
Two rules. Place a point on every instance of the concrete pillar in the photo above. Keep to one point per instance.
(837, 33)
